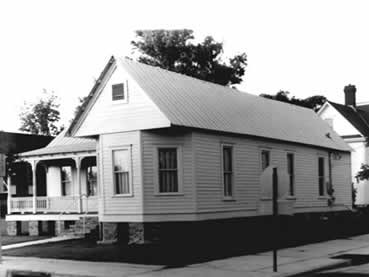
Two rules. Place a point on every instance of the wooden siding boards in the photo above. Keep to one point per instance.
(107, 116)
(202, 196)
(112, 204)
(247, 173)
(167, 204)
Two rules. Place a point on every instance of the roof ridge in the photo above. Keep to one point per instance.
(234, 90)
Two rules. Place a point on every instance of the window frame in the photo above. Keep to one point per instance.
(125, 93)
(63, 182)
(269, 150)
(232, 172)
(130, 171)
(88, 184)
(156, 169)
(321, 187)
(292, 177)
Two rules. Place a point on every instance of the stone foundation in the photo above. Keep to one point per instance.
(59, 227)
(136, 233)
(109, 232)
(11, 228)
(33, 228)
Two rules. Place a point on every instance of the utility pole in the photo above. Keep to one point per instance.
(275, 219)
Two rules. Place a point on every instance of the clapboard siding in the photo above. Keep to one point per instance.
(107, 116)
(247, 171)
(342, 180)
(117, 204)
(166, 204)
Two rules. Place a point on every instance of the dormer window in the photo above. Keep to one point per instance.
(118, 92)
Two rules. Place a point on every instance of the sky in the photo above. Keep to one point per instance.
(306, 47)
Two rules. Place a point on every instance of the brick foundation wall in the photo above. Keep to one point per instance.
(11, 228)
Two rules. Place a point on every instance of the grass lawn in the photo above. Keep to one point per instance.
(6, 240)
(89, 250)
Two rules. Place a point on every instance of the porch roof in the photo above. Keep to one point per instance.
(62, 144)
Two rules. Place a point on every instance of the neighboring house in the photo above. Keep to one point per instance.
(174, 149)
(351, 122)
(54, 188)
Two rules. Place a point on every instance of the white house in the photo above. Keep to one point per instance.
(171, 148)
(351, 122)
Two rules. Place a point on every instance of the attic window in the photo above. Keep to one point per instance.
(118, 92)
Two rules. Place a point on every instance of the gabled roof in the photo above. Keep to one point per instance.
(358, 117)
(63, 144)
(191, 102)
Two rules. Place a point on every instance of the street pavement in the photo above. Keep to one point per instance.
(291, 261)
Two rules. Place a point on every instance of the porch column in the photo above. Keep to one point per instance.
(78, 167)
(34, 186)
(9, 184)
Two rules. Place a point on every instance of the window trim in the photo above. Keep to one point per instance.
(179, 148)
(228, 197)
(324, 194)
(293, 194)
(130, 168)
(125, 91)
(262, 149)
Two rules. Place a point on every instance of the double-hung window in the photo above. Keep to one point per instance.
(66, 180)
(265, 159)
(227, 171)
(291, 172)
(91, 181)
(168, 170)
(122, 171)
(321, 176)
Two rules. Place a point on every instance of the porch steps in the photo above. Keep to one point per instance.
(90, 227)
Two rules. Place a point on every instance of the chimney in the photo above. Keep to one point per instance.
(350, 95)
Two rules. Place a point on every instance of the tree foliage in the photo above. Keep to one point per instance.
(40, 118)
(81, 100)
(175, 50)
(313, 102)
(363, 173)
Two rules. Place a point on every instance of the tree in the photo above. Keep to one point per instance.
(174, 50)
(40, 118)
(363, 173)
(312, 102)
(78, 109)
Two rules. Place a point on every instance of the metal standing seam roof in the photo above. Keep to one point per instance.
(191, 102)
(63, 144)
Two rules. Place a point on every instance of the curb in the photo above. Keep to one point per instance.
(339, 263)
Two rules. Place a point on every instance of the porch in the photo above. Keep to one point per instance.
(54, 185)
(54, 204)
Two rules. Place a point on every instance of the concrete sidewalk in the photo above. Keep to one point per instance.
(41, 241)
(291, 261)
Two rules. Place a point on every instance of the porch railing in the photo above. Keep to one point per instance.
(53, 204)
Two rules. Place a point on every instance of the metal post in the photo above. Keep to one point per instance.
(275, 218)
